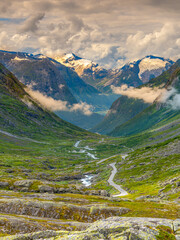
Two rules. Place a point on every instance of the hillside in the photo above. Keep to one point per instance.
(125, 108)
(53, 79)
(158, 114)
(88, 70)
(20, 114)
(79, 119)
(84, 91)
(122, 110)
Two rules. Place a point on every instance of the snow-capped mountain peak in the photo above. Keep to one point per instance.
(152, 66)
(71, 60)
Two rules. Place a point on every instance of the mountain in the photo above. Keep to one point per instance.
(71, 184)
(54, 79)
(122, 110)
(133, 74)
(21, 115)
(125, 108)
(84, 91)
(39, 73)
(88, 70)
(158, 114)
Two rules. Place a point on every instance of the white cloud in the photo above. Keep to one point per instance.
(163, 43)
(171, 98)
(11, 42)
(168, 96)
(83, 107)
(58, 105)
(48, 102)
(175, 102)
(147, 94)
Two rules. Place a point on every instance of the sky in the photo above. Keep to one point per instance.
(109, 32)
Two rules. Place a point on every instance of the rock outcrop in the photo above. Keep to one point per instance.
(115, 228)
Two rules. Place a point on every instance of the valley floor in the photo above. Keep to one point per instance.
(59, 189)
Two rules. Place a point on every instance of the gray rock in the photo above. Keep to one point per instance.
(23, 183)
(104, 193)
(61, 190)
(94, 192)
(46, 188)
(178, 184)
(4, 184)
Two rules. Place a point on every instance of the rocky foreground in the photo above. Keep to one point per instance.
(114, 228)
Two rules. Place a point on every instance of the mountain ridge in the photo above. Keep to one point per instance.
(133, 73)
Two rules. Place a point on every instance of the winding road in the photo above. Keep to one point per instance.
(112, 183)
(113, 173)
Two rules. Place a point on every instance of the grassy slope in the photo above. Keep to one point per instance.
(145, 120)
(19, 113)
(122, 110)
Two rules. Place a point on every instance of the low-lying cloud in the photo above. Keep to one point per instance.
(147, 94)
(172, 98)
(168, 96)
(59, 105)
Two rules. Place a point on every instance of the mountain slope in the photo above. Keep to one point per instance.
(82, 90)
(158, 114)
(122, 110)
(125, 108)
(88, 70)
(81, 120)
(39, 73)
(21, 115)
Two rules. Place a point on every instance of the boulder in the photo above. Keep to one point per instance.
(46, 188)
(4, 184)
(178, 184)
(23, 183)
(104, 193)
(61, 190)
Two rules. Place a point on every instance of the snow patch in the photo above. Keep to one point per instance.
(67, 56)
(70, 61)
(61, 86)
(20, 59)
(40, 56)
(149, 64)
(131, 65)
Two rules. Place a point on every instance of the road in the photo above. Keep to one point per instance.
(112, 183)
